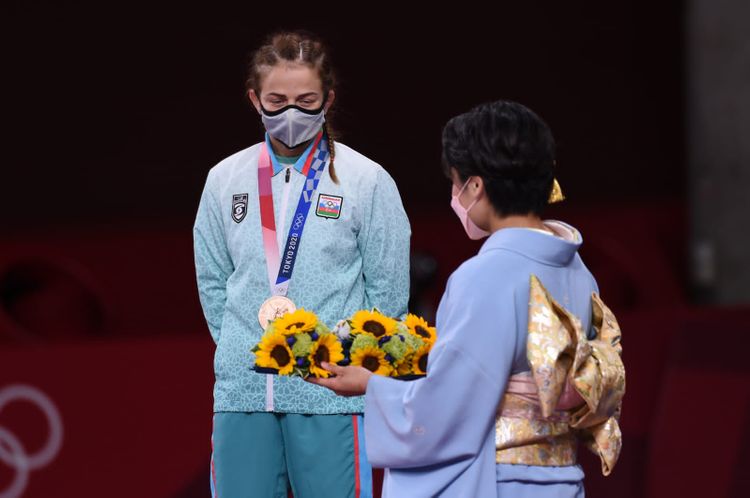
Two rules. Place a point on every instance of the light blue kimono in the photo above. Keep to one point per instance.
(436, 435)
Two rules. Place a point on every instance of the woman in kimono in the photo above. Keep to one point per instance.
(296, 221)
(499, 409)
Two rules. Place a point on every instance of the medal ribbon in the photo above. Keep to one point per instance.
(313, 171)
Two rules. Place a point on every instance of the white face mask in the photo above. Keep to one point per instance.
(293, 125)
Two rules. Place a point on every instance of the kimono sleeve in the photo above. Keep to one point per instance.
(446, 417)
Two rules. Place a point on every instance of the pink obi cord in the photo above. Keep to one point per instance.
(522, 385)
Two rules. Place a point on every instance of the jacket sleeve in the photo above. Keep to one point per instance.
(213, 264)
(384, 245)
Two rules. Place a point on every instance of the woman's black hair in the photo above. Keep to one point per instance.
(510, 148)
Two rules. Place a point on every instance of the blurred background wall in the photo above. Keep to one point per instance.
(114, 113)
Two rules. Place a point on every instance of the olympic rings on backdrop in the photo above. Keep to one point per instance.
(12, 452)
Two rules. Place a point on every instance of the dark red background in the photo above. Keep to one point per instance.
(114, 114)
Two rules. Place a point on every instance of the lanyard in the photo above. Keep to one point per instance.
(280, 268)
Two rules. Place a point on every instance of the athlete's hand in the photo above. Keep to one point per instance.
(348, 381)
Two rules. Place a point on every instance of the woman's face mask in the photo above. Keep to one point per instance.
(472, 230)
(292, 125)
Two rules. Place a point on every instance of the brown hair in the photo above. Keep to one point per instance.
(298, 47)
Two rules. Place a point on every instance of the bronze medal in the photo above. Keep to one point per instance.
(274, 307)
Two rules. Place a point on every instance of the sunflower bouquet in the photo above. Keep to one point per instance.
(386, 346)
(297, 344)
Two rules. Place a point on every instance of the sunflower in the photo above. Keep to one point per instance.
(297, 321)
(373, 323)
(403, 367)
(419, 360)
(327, 348)
(373, 359)
(273, 352)
(419, 327)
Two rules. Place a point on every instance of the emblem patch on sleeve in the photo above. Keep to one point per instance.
(239, 207)
(329, 206)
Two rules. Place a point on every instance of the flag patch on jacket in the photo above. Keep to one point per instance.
(329, 206)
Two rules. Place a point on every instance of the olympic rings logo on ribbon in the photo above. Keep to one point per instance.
(299, 221)
(12, 452)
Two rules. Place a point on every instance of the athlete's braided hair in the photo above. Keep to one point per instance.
(303, 48)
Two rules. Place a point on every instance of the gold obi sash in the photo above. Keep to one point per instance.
(573, 391)
(523, 435)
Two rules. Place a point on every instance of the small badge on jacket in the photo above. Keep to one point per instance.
(239, 207)
(329, 206)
